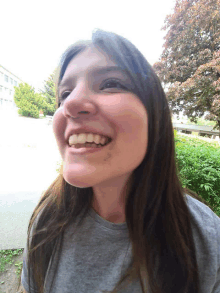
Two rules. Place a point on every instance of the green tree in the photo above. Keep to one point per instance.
(28, 102)
(49, 93)
(190, 63)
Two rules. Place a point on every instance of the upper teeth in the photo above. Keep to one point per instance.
(87, 137)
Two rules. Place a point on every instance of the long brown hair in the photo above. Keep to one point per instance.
(157, 215)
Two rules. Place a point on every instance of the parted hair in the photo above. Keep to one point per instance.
(157, 215)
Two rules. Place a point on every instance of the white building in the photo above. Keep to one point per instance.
(7, 82)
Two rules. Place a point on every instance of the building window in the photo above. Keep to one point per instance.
(10, 92)
(6, 78)
(15, 82)
(11, 81)
(1, 74)
(0, 88)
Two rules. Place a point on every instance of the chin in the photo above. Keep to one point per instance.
(79, 178)
(79, 184)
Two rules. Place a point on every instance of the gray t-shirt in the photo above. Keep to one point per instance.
(93, 259)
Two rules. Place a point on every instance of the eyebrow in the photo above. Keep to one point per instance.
(96, 70)
(103, 70)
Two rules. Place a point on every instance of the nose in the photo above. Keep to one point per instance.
(79, 105)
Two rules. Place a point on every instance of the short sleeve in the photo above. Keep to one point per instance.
(216, 288)
(206, 233)
(24, 275)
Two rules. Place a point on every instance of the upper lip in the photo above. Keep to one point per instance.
(86, 130)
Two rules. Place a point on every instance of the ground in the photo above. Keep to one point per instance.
(34, 137)
(9, 280)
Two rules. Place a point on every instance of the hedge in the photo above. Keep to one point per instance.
(198, 162)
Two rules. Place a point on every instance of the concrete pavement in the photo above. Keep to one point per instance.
(28, 160)
(15, 212)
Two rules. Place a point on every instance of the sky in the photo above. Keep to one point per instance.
(34, 34)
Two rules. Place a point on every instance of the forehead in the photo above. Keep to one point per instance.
(87, 60)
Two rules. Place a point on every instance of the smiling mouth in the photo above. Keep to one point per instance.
(90, 145)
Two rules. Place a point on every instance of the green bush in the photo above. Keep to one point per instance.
(29, 102)
(29, 110)
(49, 93)
(48, 109)
(199, 168)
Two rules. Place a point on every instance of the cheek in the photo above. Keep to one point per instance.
(131, 134)
(56, 119)
(129, 116)
(59, 125)
(108, 157)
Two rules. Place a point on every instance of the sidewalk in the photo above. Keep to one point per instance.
(15, 212)
(28, 159)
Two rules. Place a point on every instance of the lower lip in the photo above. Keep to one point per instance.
(82, 151)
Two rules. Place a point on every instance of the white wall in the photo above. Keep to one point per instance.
(7, 82)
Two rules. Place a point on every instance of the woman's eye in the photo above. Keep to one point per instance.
(112, 84)
(64, 95)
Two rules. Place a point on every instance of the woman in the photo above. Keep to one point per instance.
(116, 219)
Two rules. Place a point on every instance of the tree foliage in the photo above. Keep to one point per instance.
(49, 93)
(190, 63)
(28, 102)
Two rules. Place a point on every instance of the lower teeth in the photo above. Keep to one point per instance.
(88, 145)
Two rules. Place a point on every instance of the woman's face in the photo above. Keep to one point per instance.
(95, 90)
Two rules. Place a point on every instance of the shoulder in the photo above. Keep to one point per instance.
(202, 215)
(206, 232)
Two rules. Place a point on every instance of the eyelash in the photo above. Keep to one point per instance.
(105, 83)
(108, 81)
(63, 95)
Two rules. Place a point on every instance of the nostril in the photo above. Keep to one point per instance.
(83, 112)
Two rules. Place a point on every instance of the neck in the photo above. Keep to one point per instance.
(110, 198)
